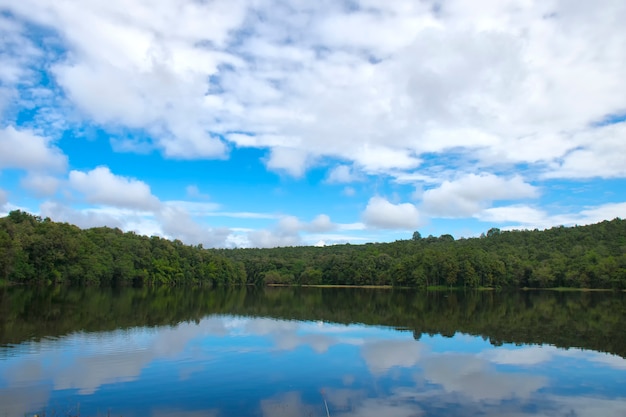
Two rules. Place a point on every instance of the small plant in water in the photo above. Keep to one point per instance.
(325, 403)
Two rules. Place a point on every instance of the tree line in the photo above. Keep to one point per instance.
(592, 256)
(36, 250)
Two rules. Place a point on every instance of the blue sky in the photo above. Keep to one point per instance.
(240, 123)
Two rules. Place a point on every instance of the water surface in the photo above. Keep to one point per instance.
(293, 352)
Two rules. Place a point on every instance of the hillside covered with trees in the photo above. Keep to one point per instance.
(36, 250)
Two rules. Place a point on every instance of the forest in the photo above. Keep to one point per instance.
(35, 250)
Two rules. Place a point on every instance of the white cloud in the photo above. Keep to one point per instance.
(497, 82)
(143, 66)
(381, 159)
(290, 160)
(470, 194)
(382, 214)
(24, 149)
(287, 232)
(320, 223)
(171, 220)
(18, 56)
(81, 218)
(41, 185)
(599, 154)
(607, 211)
(269, 239)
(526, 217)
(177, 223)
(101, 186)
(195, 208)
(342, 174)
(519, 213)
(352, 226)
(242, 215)
(4, 198)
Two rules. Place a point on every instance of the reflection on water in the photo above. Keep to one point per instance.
(252, 365)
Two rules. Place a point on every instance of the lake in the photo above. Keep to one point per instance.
(298, 352)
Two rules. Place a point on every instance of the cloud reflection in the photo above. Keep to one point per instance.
(288, 404)
(434, 384)
(535, 355)
(475, 378)
(19, 400)
(380, 356)
(85, 362)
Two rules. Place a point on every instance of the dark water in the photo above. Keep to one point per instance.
(288, 352)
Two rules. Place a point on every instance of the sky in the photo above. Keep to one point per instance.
(261, 123)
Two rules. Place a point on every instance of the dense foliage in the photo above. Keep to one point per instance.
(33, 249)
(586, 256)
(590, 320)
(36, 250)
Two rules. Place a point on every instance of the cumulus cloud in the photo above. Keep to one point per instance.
(527, 217)
(290, 160)
(177, 223)
(598, 154)
(24, 149)
(19, 56)
(268, 239)
(41, 185)
(602, 212)
(342, 174)
(500, 83)
(101, 186)
(519, 213)
(172, 220)
(320, 223)
(382, 214)
(145, 66)
(83, 218)
(287, 231)
(472, 193)
(3, 197)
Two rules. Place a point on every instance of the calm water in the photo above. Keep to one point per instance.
(293, 352)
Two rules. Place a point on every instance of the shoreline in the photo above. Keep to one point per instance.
(442, 289)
